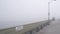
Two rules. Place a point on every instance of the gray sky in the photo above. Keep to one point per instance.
(20, 12)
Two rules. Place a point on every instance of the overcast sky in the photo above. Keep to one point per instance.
(20, 12)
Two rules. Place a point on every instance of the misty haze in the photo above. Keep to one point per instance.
(29, 16)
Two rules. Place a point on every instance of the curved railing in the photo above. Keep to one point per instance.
(27, 29)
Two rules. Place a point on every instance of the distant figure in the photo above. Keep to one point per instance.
(53, 18)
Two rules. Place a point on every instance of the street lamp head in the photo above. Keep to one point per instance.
(51, 0)
(54, 0)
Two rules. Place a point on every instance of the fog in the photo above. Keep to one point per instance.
(21, 12)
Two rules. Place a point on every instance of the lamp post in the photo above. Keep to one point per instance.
(49, 10)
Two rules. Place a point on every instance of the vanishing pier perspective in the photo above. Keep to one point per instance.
(29, 16)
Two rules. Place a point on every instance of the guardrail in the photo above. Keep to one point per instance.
(27, 29)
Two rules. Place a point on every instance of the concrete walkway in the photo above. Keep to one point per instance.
(53, 28)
